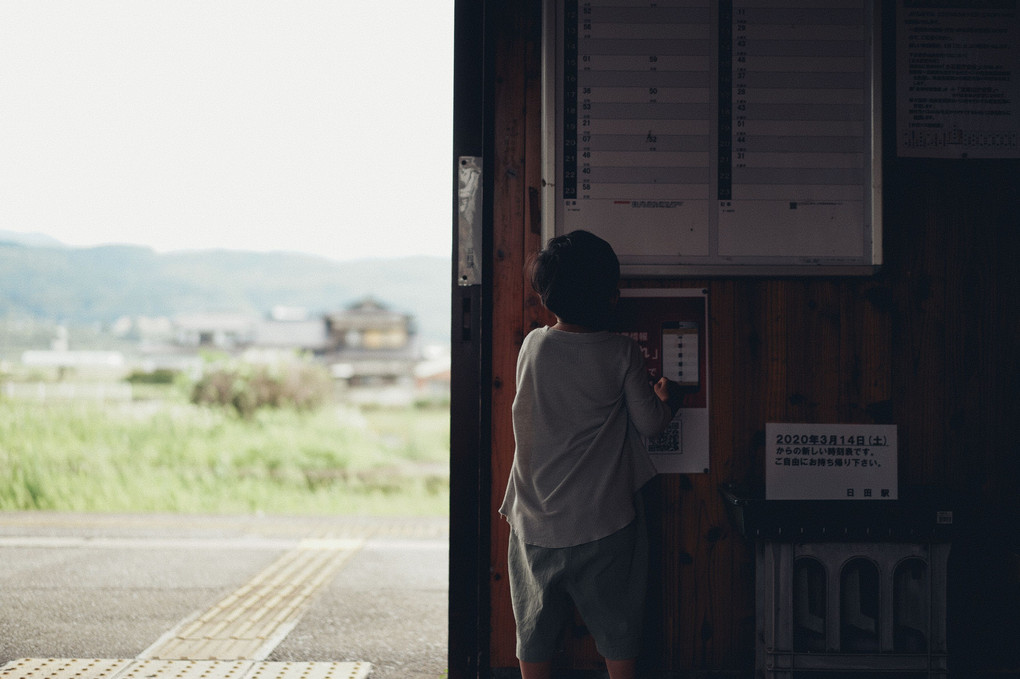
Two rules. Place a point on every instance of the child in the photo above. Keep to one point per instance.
(583, 401)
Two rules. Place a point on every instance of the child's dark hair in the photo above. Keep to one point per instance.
(577, 276)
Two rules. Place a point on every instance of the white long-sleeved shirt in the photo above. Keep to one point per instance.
(583, 402)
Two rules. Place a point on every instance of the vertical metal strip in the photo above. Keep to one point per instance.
(469, 220)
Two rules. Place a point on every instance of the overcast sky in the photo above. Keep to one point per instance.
(304, 125)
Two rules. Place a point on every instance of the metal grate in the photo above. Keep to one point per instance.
(858, 608)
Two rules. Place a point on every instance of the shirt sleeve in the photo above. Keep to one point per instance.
(649, 414)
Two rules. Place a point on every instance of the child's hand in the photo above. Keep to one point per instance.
(669, 392)
(662, 389)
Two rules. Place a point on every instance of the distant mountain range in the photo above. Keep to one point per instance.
(44, 279)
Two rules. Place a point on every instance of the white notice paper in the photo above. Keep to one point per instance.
(958, 90)
(830, 461)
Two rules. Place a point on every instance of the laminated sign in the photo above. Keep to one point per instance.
(830, 462)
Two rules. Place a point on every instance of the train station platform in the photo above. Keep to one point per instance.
(131, 596)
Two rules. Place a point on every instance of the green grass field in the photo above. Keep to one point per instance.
(183, 458)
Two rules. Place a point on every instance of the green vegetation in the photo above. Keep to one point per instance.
(247, 388)
(176, 456)
(158, 376)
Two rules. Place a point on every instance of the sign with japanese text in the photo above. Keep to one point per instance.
(830, 461)
(671, 327)
(731, 138)
(958, 89)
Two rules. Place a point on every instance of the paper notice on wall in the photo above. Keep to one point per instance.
(957, 86)
(830, 462)
(670, 326)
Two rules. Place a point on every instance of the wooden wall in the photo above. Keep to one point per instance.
(928, 344)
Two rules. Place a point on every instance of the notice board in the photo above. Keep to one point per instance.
(716, 138)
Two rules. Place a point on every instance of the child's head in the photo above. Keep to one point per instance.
(577, 277)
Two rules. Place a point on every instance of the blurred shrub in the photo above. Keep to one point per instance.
(247, 387)
(158, 376)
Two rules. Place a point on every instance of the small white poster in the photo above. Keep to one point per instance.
(670, 326)
(957, 85)
(830, 461)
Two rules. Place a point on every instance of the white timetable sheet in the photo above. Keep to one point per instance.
(728, 137)
(959, 89)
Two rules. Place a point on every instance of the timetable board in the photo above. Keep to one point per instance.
(716, 138)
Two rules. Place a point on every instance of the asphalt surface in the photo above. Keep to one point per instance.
(113, 586)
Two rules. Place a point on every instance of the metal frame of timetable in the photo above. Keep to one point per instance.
(713, 138)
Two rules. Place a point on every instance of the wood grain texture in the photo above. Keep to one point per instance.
(509, 226)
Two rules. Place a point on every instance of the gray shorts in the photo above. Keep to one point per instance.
(606, 580)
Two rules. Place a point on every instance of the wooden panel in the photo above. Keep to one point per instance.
(509, 192)
(732, 622)
(864, 363)
(533, 313)
(776, 332)
(918, 332)
(750, 376)
(733, 461)
(973, 374)
(815, 353)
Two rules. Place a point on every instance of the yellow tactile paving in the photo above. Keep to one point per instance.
(62, 668)
(232, 638)
(186, 669)
(248, 623)
(303, 670)
(76, 668)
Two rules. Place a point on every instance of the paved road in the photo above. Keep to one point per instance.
(246, 596)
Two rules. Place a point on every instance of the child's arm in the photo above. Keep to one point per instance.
(649, 412)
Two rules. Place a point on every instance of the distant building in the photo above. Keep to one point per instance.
(237, 332)
(308, 335)
(370, 349)
(369, 325)
(372, 352)
(65, 358)
(432, 378)
(226, 331)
